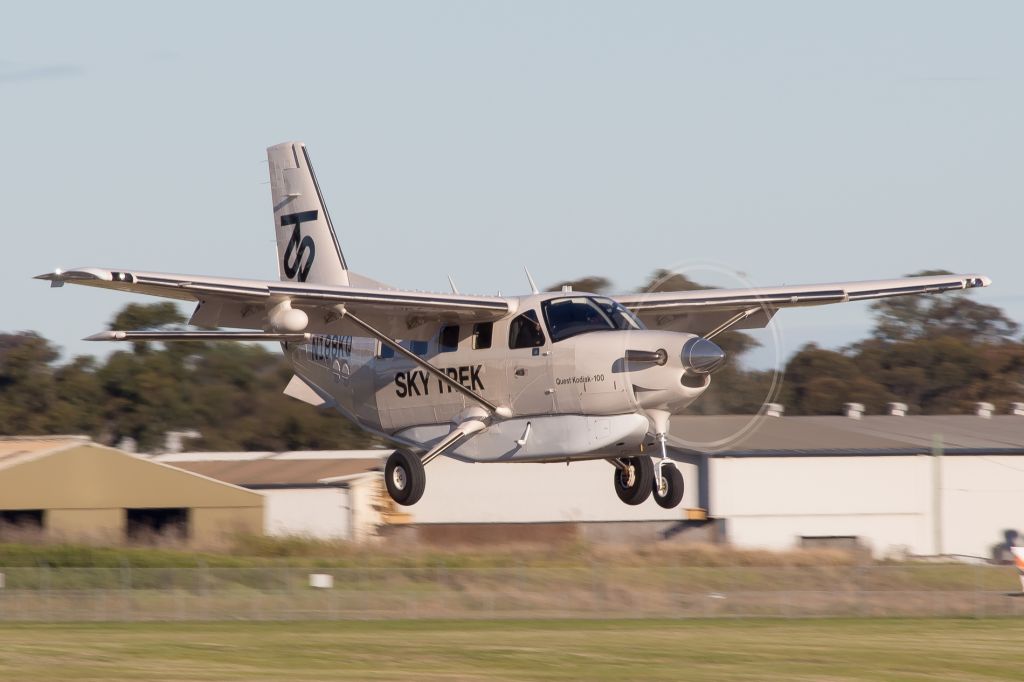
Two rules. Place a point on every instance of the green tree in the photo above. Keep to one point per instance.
(27, 390)
(591, 285)
(939, 354)
(906, 318)
(819, 381)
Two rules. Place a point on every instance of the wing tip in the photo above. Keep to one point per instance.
(105, 336)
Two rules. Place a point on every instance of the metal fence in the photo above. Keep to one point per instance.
(130, 594)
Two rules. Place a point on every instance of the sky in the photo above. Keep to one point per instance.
(770, 143)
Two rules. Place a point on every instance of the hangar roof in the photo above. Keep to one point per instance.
(73, 472)
(280, 473)
(18, 449)
(737, 435)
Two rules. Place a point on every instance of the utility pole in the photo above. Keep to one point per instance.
(937, 449)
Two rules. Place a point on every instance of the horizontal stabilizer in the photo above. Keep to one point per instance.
(197, 336)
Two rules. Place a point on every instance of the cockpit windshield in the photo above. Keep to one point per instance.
(574, 315)
(621, 317)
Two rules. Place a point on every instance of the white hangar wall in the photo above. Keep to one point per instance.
(324, 513)
(458, 492)
(982, 498)
(887, 502)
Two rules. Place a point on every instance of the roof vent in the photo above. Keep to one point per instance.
(853, 410)
(174, 441)
(1017, 409)
(774, 410)
(984, 410)
(897, 409)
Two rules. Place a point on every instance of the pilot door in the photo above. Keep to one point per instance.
(530, 379)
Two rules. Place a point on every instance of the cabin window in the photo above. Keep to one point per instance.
(448, 339)
(418, 347)
(482, 335)
(385, 351)
(525, 331)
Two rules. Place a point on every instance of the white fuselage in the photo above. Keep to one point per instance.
(574, 398)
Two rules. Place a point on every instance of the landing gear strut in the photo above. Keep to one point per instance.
(668, 492)
(405, 477)
(668, 482)
(634, 478)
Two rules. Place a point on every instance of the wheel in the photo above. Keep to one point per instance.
(405, 477)
(633, 483)
(670, 494)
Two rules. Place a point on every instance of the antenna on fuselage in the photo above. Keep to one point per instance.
(529, 278)
(455, 289)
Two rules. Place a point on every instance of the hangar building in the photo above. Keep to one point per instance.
(891, 485)
(330, 495)
(74, 489)
(888, 484)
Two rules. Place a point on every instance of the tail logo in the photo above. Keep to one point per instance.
(300, 252)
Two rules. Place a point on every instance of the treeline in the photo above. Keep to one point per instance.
(229, 392)
(938, 354)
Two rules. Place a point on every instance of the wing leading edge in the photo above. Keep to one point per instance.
(704, 310)
(244, 303)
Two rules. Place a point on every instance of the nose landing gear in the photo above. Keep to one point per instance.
(668, 486)
(668, 482)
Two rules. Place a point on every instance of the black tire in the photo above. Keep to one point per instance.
(672, 495)
(642, 469)
(405, 477)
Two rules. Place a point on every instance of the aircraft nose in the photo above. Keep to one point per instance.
(702, 356)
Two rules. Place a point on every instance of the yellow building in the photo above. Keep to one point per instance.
(71, 488)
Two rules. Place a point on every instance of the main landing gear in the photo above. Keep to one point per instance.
(637, 477)
(634, 479)
(405, 477)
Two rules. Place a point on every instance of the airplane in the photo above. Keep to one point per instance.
(543, 377)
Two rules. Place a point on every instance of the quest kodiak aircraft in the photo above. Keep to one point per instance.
(545, 377)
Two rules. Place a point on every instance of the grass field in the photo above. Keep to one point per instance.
(722, 650)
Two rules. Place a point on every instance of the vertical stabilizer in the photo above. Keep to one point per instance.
(307, 245)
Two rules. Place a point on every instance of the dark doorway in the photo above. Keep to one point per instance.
(152, 525)
(21, 521)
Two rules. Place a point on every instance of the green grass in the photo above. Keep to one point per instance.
(250, 551)
(896, 649)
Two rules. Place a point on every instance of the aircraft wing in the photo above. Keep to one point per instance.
(243, 303)
(705, 310)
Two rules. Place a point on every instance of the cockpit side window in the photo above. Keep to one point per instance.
(525, 331)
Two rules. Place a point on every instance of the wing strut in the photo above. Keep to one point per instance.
(459, 434)
(443, 376)
(735, 319)
(217, 335)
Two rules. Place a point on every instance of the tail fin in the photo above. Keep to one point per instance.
(307, 246)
